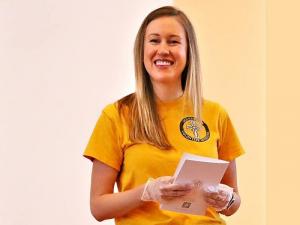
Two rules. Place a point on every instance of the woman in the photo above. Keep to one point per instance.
(144, 134)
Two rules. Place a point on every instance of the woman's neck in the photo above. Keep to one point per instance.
(166, 92)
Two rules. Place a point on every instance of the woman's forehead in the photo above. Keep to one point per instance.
(162, 26)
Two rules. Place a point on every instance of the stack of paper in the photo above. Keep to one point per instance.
(191, 168)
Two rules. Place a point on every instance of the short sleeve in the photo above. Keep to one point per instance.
(104, 144)
(229, 146)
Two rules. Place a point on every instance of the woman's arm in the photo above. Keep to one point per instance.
(106, 205)
(103, 202)
(230, 179)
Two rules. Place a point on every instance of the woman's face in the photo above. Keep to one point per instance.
(165, 50)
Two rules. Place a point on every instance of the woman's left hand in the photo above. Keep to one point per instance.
(218, 196)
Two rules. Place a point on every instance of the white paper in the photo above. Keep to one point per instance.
(195, 168)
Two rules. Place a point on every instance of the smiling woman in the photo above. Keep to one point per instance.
(138, 141)
(165, 52)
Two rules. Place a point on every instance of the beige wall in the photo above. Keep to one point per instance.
(52, 77)
(231, 37)
(283, 111)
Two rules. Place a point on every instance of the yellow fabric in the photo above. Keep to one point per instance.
(137, 162)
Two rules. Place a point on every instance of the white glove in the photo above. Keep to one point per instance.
(163, 188)
(218, 196)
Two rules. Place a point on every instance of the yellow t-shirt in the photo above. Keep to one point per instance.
(136, 162)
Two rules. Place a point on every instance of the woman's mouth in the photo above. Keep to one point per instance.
(163, 62)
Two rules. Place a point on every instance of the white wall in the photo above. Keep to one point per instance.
(61, 62)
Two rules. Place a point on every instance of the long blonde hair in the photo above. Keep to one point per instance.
(144, 121)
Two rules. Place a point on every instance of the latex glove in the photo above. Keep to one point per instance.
(162, 188)
(218, 196)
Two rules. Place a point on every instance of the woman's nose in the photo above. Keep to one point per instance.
(163, 49)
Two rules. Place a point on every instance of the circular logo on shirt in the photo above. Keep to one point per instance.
(190, 129)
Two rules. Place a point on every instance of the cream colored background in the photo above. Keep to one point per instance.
(283, 112)
(60, 63)
(266, 37)
(231, 37)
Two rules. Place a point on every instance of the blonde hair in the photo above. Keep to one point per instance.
(144, 121)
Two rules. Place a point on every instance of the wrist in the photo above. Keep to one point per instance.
(146, 193)
(231, 201)
(233, 206)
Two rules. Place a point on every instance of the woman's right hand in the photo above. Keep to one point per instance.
(163, 188)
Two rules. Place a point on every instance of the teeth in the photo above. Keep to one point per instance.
(162, 63)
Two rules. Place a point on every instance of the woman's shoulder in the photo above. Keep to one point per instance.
(110, 109)
(118, 107)
(210, 105)
(213, 111)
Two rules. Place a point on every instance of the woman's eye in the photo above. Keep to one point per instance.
(154, 40)
(174, 42)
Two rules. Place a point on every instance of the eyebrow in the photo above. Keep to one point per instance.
(172, 35)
